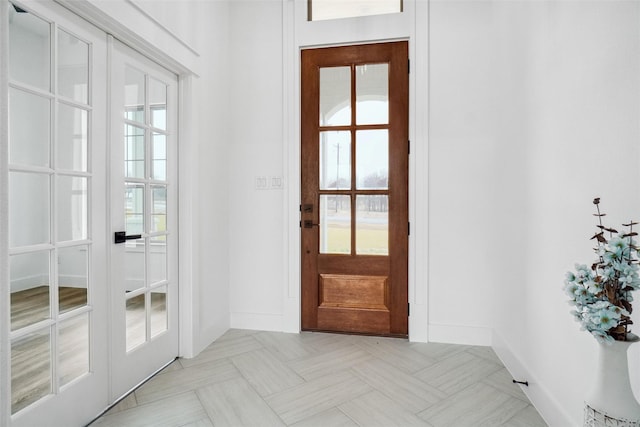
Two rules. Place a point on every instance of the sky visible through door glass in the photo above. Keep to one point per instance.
(372, 161)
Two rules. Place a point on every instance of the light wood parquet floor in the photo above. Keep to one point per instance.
(250, 378)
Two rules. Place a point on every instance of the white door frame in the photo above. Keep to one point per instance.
(299, 33)
(155, 351)
(96, 309)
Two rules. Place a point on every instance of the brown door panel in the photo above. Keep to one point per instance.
(355, 287)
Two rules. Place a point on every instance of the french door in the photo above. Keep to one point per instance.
(144, 300)
(92, 223)
(354, 179)
(57, 217)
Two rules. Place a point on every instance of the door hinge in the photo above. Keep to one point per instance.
(408, 309)
(408, 66)
(300, 224)
(408, 229)
(300, 208)
(409, 146)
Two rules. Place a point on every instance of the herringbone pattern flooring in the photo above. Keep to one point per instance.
(250, 378)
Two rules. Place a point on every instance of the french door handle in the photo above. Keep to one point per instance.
(309, 223)
(121, 236)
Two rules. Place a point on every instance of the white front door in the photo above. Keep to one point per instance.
(57, 217)
(144, 258)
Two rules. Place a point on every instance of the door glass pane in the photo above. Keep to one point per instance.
(134, 89)
(72, 208)
(158, 310)
(29, 45)
(372, 159)
(134, 264)
(72, 143)
(72, 277)
(29, 124)
(334, 9)
(30, 369)
(372, 94)
(136, 321)
(335, 96)
(73, 342)
(372, 225)
(29, 277)
(159, 166)
(158, 208)
(158, 103)
(134, 208)
(73, 67)
(158, 260)
(335, 224)
(28, 208)
(133, 151)
(335, 160)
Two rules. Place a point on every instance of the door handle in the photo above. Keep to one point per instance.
(309, 223)
(121, 236)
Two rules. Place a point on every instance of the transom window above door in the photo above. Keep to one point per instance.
(321, 10)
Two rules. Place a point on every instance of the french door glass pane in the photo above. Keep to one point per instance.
(335, 224)
(29, 47)
(158, 208)
(73, 342)
(30, 369)
(134, 95)
(372, 159)
(29, 214)
(158, 310)
(134, 148)
(134, 208)
(72, 143)
(72, 277)
(158, 260)
(29, 124)
(372, 225)
(372, 94)
(335, 96)
(335, 160)
(158, 103)
(29, 277)
(136, 320)
(134, 264)
(73, 67)
(159, 166)
(72, 207)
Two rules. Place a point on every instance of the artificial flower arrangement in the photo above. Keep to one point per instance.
(601, 293)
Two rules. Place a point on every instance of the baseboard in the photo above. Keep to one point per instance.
(29, 282)
(457, 334)
(257, 321)
(540, 397)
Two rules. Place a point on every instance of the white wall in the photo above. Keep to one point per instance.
(211, 148)
(464, 167)
(255, 149)
(568, 81)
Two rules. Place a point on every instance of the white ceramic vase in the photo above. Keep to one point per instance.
(611, 393)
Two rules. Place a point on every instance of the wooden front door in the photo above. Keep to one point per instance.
(354, 179)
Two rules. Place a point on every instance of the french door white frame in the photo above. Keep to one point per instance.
(91, 388)
(188, 176)
(5, 308)
(155, 351)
